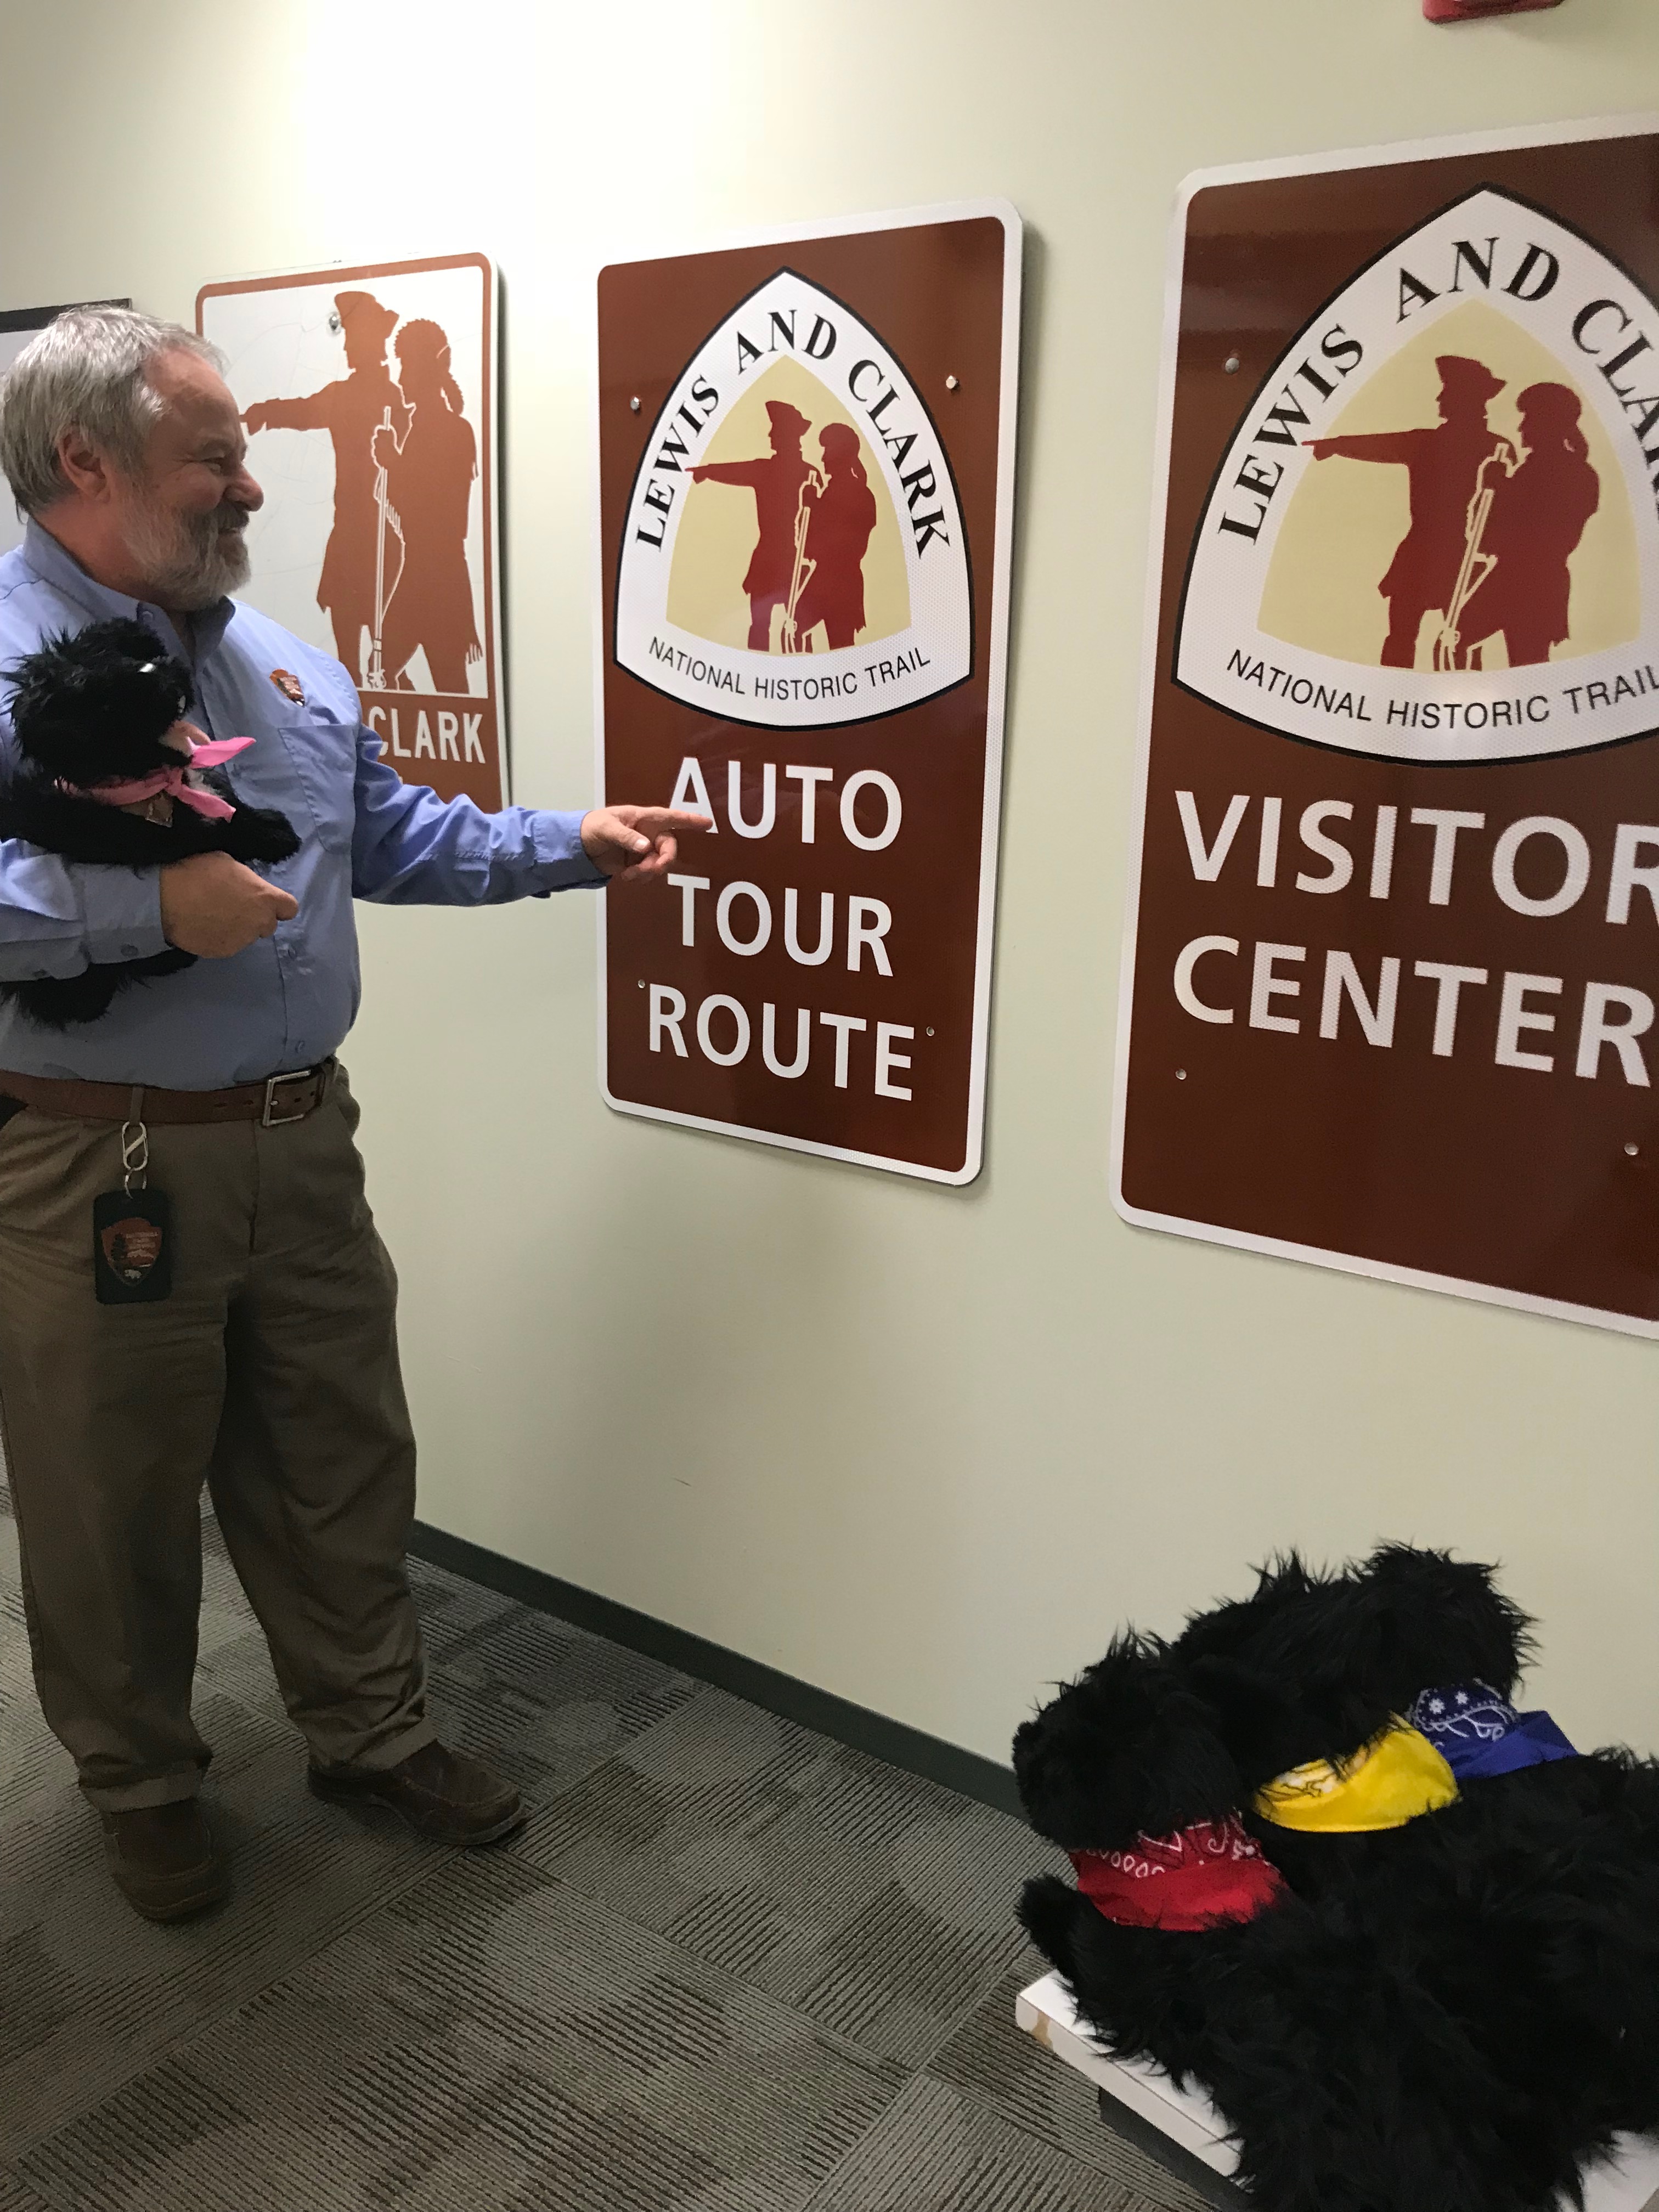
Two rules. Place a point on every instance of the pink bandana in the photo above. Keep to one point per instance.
(1209, 1872)
(208, 753)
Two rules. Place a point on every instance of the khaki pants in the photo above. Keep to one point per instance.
(271, 1374)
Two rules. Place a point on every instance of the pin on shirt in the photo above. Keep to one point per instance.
(288, 684)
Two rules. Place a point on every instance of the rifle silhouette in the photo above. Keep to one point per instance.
(376, 662)
(1469, 583)
(804, 569)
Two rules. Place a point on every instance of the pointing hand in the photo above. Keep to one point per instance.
(625, 842)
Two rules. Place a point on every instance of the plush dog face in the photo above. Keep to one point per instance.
(1125, 1751)
(97, 706)
(1312, 1666)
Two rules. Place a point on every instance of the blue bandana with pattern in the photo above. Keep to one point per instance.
(1479, 1734)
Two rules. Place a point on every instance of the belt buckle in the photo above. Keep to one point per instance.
(272, 1118)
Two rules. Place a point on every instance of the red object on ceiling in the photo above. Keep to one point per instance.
(1471, 11)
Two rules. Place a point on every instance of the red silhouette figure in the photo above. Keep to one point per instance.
(1443, 464)
(428, 495)
(841, 517)
(1538, 513)
(350, 409)
(776, 481)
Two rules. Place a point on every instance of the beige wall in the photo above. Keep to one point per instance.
(921, 1446)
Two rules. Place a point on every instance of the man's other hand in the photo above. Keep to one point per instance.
(214, 907)
(626, 842)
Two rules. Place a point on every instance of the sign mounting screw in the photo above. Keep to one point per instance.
(1181, 1075)
(634, 404)
(950, 384)
(1632, 1150)
(1232, 364)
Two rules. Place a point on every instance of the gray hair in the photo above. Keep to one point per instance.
(88, 371)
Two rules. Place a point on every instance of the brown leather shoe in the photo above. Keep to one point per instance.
(165, 1861)
(437, 1792)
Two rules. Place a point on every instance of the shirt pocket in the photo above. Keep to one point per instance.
(324, 757)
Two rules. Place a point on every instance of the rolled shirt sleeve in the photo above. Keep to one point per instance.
(410, 848)
(59, 917)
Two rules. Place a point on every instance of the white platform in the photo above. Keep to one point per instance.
(1629, 2183)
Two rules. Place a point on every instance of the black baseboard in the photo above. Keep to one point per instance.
(783, 1694)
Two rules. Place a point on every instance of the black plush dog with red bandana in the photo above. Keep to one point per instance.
(1446, 1996)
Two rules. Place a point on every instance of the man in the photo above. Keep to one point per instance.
(271, 1371)
(1443, 468)
(350, 409)
(775, 479)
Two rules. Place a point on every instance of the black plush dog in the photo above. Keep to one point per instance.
(105, 776)
(1346, 2088)
(1534, 1899)
(1456, 2011)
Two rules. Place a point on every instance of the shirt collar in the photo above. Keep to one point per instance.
(54, 564)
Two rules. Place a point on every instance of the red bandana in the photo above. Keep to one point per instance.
(1207, 1873)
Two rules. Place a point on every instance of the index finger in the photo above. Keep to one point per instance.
(652, 821)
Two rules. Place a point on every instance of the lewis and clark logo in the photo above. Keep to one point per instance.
(1435, 534)
(794, 553)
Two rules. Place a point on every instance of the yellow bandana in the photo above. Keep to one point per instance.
(1387, 1782)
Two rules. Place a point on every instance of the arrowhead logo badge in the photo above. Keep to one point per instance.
(131, 1247)
(1435, 536)
(793, 553)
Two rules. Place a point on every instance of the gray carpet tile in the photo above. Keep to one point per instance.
(998, 2067)
(29, 1755)
(92, 1993)
(878, 1904)
(546, 1701)
(939, 2151)
(489, 2040)
(16, 2196)
(703, 1980)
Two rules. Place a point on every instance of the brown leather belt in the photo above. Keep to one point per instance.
(273, 1104)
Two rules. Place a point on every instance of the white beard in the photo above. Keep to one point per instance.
(189, 562)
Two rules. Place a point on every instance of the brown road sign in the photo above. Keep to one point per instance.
(806, 484)
(1391, 982)
(369, 398)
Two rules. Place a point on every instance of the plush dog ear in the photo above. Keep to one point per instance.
(1426, 1621)
(1313, 1664)
(94, 706)
(1278, 1668)
(1125, 1751)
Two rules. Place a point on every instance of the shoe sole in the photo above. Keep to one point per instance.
(212, 1888)
(334, 1793)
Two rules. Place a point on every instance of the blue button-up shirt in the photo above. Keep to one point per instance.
(287, 1001)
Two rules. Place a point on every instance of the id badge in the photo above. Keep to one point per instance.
(132, 1232)
(132, 1247)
